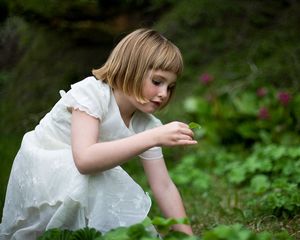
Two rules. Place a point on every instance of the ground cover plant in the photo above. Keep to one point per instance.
(240, 84)
(140, 232)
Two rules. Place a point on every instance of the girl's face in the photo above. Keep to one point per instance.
(157, 87)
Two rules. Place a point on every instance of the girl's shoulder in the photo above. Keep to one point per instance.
(93, 88)
(89, 95)
(91, 83)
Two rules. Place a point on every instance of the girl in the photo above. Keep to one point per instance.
(67, 172)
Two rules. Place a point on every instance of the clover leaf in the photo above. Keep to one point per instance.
(193, 125)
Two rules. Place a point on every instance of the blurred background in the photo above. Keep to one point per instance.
(240, 83)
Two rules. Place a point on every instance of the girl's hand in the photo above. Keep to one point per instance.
(174, 134)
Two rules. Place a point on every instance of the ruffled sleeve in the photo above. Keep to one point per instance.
(89, 95)
(152, 154)
(144, 122)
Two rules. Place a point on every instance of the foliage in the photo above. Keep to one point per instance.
(85, 233)
(196, 178)
(70, 10)
(244, 92)
(238, 232)
(141, 232)
(138, 231)
(271, 168)
(231, 116)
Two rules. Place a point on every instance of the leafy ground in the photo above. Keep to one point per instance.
(241, 84)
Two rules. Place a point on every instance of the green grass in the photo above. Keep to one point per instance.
(226, 205)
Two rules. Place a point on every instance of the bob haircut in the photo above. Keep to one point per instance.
(132, 58)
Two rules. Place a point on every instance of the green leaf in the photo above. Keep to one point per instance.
(86, 233)
(193, 125)
(260, 184)
(138, 231)
(237, 174)
(164, 224)
(117, 234)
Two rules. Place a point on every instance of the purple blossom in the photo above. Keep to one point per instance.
(261, 92)
(263, 113)
(206, 78)
(284, 98)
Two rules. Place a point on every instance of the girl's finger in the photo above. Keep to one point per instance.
(187, 142)
(188, 132)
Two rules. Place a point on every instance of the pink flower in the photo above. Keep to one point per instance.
(284, 98)
(261, 92)
(263, 113)
(206, 78)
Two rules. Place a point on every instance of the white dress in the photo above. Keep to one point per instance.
(45, 189)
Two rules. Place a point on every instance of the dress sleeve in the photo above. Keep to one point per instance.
(152, 154)
(155, 152)
(89, 95)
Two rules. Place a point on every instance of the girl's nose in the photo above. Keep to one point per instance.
(163, 93)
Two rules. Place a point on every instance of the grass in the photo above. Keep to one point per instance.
(222, 203)
(226, 205)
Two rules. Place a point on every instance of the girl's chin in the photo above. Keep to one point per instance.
(149, 109)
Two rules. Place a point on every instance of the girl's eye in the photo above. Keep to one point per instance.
(156, 82)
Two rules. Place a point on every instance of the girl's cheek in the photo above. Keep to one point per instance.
(154, 91)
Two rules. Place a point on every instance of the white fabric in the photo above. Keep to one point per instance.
(45, 189)
(152, 154)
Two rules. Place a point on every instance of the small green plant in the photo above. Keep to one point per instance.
(197, 129)
(140, 232)
(64, 234)
(193, 125)
(197, 179)
(271, 174)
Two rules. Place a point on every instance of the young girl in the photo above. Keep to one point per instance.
(67, 172)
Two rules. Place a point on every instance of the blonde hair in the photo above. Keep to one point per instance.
(136, 54)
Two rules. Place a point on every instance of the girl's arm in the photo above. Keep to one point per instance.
(165, 192)
(90, 156)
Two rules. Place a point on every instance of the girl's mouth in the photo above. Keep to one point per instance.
(156, 103)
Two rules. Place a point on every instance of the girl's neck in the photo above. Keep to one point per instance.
(125, 106)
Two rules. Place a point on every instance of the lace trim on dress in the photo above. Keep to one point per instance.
(152, 154)
(72, 104)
